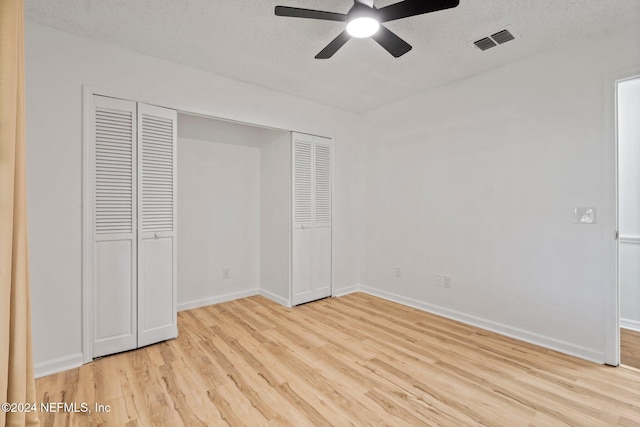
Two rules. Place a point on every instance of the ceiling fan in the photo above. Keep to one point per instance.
(364, 20)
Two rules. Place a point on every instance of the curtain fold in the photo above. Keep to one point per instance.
(17, 383)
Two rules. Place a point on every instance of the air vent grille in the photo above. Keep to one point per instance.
(494, 39)
(502, 37)
(485, 43)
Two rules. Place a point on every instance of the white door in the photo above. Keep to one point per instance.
(323, 177)
(157, 318)
(311, 236)
(628, 150)
(302, 255)
(114, 225)
(132, 206)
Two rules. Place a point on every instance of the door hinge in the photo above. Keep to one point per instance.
(616, 235)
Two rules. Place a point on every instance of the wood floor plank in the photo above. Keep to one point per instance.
(630, 347)
(354, 360)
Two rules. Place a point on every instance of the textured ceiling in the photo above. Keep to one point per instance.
(242, 39)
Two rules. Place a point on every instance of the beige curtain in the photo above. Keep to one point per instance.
(17, 384)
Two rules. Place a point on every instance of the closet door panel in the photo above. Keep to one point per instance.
(302, 266)
(312, 217)
(157, 319)
(302, 236)
(322, 262)
(113, 218)
(322, 213)
(156, 270)
(115, 299)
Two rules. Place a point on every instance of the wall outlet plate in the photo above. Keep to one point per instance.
(584, 215)
(446, 282)
(443, 281)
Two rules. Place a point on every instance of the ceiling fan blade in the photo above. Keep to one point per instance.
(391, 42)
(296, 12)
(407, 8)
(333, 47)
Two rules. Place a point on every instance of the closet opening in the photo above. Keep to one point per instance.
(183, 210)
(233, 204)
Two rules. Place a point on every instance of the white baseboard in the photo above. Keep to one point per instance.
(42, 369)
(519, 334)
(217, 299)
(634, 325)
(60, 364)
(275, 298)
(347, 290)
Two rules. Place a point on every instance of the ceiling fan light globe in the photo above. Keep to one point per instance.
(362, 27)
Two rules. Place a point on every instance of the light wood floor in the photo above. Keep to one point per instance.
(630, 348)
(355, 360)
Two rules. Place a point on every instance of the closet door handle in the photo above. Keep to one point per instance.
(157, 234)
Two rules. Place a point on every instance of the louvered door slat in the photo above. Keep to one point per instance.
(116, 143)
(322, 183)
(157, 173)
(302, 187)
(114, 165)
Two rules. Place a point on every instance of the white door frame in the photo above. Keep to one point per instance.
(611, 230)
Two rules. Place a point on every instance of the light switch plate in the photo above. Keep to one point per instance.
(584, 215)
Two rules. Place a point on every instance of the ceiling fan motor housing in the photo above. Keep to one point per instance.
(360, 10)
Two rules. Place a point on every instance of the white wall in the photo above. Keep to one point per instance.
(275, 209)
(218, 221)
(629, 199)
(57, 65)
(478, 180)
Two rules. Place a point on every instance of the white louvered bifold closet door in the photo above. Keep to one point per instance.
(157, 135)
(302, 236)
(113, 167)
(323, 177)
(312, 216)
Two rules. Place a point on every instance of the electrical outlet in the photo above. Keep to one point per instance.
(443, 281)
(446, 282)
(584, 215)
(398, 272)
(226, 273)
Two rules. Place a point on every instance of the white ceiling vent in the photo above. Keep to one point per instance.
(494, 39)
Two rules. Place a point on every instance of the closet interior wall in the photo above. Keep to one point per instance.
(233, 204)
